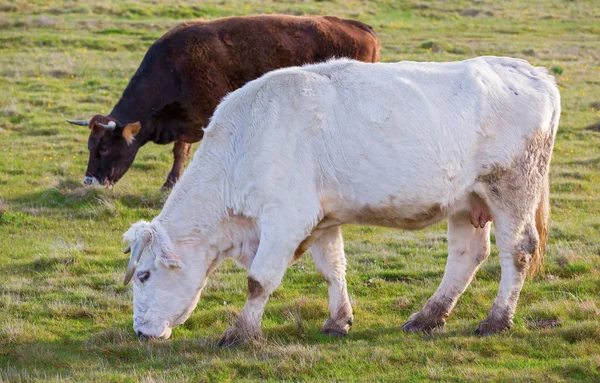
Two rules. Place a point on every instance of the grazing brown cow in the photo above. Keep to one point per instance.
(186, 72)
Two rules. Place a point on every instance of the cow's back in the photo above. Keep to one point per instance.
(414, 137)
(211, 59)
(236, 50)
(267, 42)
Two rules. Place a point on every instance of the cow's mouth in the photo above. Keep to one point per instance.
(166, 334)
(146, 334)
(91, 180)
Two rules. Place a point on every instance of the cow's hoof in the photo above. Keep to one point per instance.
(490, 327)
(170, 182)
(230, 338)
(233, 337)
(420, 323)
(336, 328)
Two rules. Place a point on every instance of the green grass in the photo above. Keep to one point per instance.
(64, 314)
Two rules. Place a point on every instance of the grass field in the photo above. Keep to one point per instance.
(64, 314)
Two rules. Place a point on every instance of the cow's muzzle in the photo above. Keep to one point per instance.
(90, 181)
(166, 334)
(143, 336)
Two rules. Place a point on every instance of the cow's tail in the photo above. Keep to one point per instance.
(542, 213)
(542, 222)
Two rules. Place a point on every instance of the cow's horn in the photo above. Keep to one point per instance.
(136, 253)
(127, 250)
(110, 126)
(79, 122)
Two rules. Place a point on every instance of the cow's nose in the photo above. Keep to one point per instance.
(90, 180)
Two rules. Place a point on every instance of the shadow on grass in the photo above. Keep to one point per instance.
(594, 127)
(116, 350)
(75, 262)
(70, 194)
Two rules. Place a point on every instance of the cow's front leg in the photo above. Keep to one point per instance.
(468, 247)
(181, 151)
(328, 253)
(275, 252)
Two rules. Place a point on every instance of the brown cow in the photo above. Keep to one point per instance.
(187, 71)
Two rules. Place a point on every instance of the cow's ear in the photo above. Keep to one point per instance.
(130, 131)
(169, 260)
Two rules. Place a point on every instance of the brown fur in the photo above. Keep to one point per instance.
(255, 289)
(181, 151)
(541, 148)
(130, 131)
(391, 217)
(187, 71)
(304, 245)
(516, 189)
(542, 222)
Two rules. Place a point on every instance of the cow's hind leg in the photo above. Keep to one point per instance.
(181, 151)
(517, 240)
(468, 247)
(328, 253)
(517, 198)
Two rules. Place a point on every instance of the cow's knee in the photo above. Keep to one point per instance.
(255, 289)
(525, 247)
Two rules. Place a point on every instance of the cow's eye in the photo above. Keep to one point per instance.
(104, 150)
(143, 276)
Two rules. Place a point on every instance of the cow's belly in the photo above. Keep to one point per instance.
(392, 216)
(401, 185)
(413, 216)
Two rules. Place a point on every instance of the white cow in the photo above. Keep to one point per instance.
(295, 154)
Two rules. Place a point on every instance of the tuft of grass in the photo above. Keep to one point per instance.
(557, 70)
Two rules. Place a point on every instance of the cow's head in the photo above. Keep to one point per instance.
(167, 279)
(112, 147)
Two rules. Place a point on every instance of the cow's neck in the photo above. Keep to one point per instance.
(148, 132)
(198, 209)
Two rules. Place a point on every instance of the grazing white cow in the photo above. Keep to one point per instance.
(295, 154)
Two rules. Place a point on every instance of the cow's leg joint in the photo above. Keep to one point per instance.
(254, 288)
(432, 316)
(181, 150)
(340, 324)
(498, 320)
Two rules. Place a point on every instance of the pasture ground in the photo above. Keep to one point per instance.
(65, 316)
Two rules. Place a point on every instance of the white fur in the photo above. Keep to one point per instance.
(335, 143)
